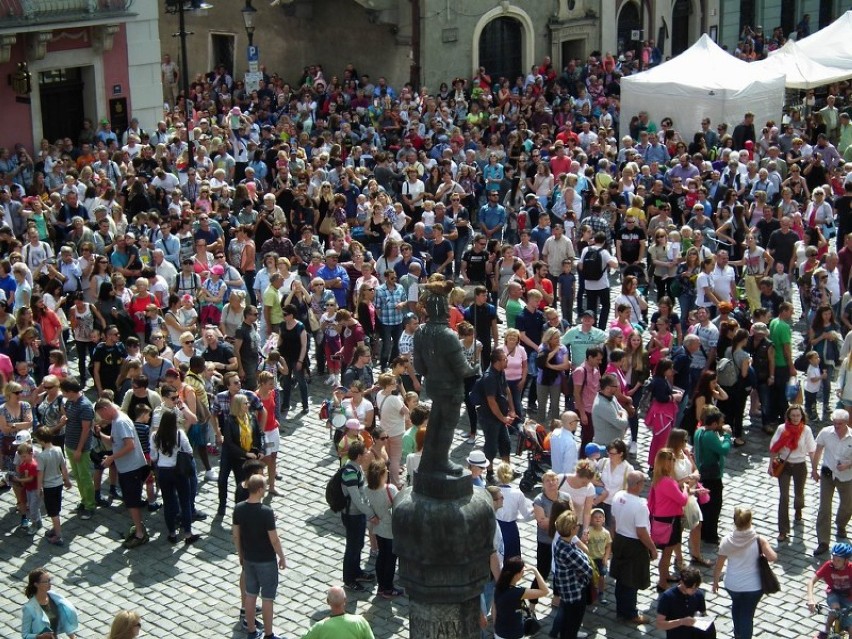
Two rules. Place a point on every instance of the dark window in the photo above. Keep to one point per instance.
(747, 10)
(500, 46)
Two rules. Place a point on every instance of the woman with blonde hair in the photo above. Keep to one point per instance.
(666, 503)
(552, 361)
(241, 440)
(516, 507)
(741, 549)
(127, 624)
(392, 413)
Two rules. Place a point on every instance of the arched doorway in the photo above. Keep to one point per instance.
(500, 48)
(680, 26)
(628, 21)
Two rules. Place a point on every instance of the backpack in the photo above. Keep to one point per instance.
(726, 372)
(334, 495)
(592, 265)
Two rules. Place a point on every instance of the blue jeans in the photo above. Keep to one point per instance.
(743, 606)
(633, 420)
(763, 392)
(687, 303)
(356, 528)
(177, 495)
(459, 247)
(486, 599)
(625, 601)
(390, 343)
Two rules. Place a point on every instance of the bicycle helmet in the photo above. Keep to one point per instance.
(842, 549)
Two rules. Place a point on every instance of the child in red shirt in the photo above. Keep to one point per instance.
(26, 489)
(837, 575)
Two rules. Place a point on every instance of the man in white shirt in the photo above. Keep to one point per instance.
(724, 279)
(632, 548)
(164, 268)
(563, 445)
(556, 249)
(832, 468)
(597, 288)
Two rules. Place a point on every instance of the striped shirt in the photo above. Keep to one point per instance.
(77, 411)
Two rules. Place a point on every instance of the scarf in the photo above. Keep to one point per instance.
(789, 438)
(245, 432)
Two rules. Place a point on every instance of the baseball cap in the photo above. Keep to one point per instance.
(23, 437)
(760, 327)
(594, 449)
(587, 314)
(217, 270)
(477, 458)
(354, 424)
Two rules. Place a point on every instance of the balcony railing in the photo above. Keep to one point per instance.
(25, 12)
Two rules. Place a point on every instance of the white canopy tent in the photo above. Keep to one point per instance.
(703, 81)
(831, 45)
(799, 69)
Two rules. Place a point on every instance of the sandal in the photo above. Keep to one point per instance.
(700, 561)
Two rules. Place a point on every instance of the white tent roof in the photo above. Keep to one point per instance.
(832, 45)
(703, 81)
(800, 70)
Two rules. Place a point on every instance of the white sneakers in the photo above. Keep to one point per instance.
(210, 475)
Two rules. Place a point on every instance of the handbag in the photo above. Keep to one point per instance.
(313, 321)
(531, 624)
(183, 462)
(768, 581)
(778, 465)
(702, 494)
(661, 530)
(326, 225)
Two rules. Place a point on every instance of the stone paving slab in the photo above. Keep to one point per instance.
(192, 592)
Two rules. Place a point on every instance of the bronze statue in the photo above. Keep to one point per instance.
(438, 356)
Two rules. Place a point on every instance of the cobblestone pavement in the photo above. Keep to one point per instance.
(192, 592)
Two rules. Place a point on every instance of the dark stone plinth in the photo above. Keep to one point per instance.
(444, 620)
(443, 544)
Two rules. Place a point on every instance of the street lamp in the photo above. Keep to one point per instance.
(180, 7)
(248, 12)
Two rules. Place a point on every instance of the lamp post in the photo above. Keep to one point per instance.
(179, 7)
(248, 12)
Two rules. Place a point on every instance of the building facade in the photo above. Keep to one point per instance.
(76, 59)
(735, 15)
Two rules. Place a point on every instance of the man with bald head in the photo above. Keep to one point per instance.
(339, 624)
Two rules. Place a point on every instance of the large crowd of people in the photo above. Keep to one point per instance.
(617, 280)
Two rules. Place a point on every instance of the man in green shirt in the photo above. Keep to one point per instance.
(340, 624)
(272, 311)
(781, 336)
(582, 337)
(514, 302)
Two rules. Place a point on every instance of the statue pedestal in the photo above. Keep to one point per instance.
(443, 533)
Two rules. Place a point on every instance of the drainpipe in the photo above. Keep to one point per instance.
(414, 72)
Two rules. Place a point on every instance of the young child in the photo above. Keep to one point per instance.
(416, 419)
(58, 365)
(96, 455)
(566, 282)
(52, 476)
(25, 379)
(600, 549)
(142, 423)
(26, 484)
(837, 575)
(353, 432)
(186, 313)
(315, 265)
(673, 249)
(428, 218)
(153, 321)
(686, 240)
(144, 250)
(637, 209)
(367, 278)
(781, 282)
(813, 381)
(331, 343)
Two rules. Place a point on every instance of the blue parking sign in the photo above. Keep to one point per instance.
(253, 54)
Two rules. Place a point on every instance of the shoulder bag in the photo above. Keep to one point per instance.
(768, 581)
(183, 461)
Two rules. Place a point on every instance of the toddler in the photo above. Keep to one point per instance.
(428, 217)
(52, 475)
(686, 241)
(186, 313)
(600, 549)
(142, 424)
(28, 386)
(673, 248)
(637, 209)
(153, 321)
(781, 283)
(367, 278)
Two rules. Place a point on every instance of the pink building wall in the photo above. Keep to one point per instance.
(17, 116)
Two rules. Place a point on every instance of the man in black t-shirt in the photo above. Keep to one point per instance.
(107, 359)
(247, 347)
(220, 353)
(496, 411)
(630, 243)
(257, 544)
(474, 261)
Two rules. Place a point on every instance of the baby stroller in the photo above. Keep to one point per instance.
(531, 440)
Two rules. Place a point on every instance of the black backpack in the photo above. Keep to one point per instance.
(592, 266)
(336, 499)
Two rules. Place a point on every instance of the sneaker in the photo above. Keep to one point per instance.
(366, 576)
(56, 541)
(329, 381)
(101, 501)
(254, 634)
(25, 523)
(603, 600)
(210, 475)
(80, 508)
(135, 542)
(49, 533)
(87, 514)
(199, 516)
(471, 440)
(115, 492)
(154, 507)
(355, 587)
(272, 636)
(392, 593)
(633, 448)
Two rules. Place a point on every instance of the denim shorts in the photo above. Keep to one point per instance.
(261, 578)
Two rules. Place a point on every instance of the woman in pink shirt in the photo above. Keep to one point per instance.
(666, 502)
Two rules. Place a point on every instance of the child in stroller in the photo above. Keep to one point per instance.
(531, 440)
